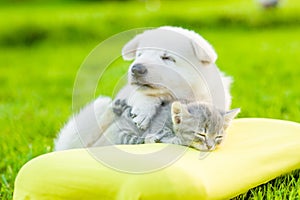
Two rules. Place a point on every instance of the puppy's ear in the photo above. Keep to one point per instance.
(204, 51)
(129, 50)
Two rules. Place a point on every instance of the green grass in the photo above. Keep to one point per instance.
(43, 45)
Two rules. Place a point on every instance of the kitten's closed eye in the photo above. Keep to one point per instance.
(218, 139)
(200, 136)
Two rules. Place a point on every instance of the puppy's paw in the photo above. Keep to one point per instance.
(142, 116)
(141, 120)
(143, 110)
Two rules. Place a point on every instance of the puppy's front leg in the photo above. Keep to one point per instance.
(144, 103)
(143, 109)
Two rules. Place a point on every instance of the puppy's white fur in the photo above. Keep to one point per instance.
(180, 64)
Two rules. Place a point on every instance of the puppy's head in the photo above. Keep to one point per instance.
(171, 38)
(167, 57)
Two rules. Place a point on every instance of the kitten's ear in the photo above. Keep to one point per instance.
(177, 111)
(229, 116)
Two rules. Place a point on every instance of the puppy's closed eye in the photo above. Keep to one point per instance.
(168, 58)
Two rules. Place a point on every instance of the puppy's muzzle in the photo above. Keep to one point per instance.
(138, 70)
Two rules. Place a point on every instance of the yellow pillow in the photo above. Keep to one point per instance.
(254, 152)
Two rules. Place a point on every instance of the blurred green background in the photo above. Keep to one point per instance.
(43, 43)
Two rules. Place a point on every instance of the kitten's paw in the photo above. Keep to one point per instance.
(175, 140)
(152, 139)
(131, 139)
(119, 106)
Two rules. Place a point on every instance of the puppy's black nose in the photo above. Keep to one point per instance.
(138, 69)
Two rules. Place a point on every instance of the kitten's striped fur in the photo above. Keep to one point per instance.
(199, 125)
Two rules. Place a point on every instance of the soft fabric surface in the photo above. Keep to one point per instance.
(254, 152)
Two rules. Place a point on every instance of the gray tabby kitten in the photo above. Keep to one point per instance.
(198, 125)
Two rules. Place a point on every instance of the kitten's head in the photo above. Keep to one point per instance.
(200, 125)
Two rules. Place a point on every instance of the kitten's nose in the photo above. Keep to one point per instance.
(138, 69)
(210, 146)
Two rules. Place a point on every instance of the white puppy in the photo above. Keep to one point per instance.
(170, 63)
